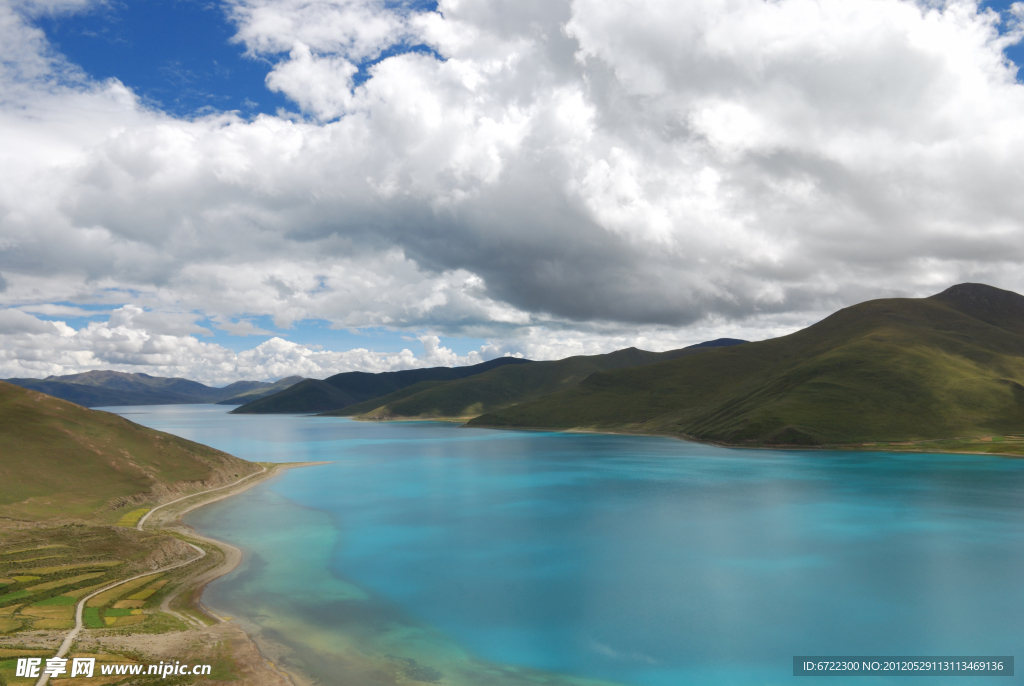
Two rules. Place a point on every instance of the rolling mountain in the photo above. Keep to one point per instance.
(341, 390)
(61, 460)
(259, 390)
(946, 367)
(108, 388)
(508, 386)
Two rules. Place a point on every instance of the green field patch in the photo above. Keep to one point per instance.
(91, 618)
(9, 598)
(58, 600)
(125, 621)
(65, 582)
(145, 593)
(25, 652)
(115, 612)
(113, 594)
(81, 592)
(25, 550)
(9, 624)
(48, 611)
(66, 568)
(130, 604)
(24, 579)
(130, 519)
(34, 559)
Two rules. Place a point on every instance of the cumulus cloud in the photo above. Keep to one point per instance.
(17, 322)
(30, 347)
(550, 176)
(354, 28)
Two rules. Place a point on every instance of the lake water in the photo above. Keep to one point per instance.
(432, 553)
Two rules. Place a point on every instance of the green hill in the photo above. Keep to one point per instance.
(507, 386)
(103, 388)
(946, 367)
(348, 388)
(257, 391)
(60, 460)
(305, 397)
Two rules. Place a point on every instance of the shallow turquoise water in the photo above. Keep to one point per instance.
(634, 560)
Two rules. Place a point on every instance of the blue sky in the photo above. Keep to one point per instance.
(178, 54)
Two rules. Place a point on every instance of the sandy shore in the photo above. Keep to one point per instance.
(256, 666)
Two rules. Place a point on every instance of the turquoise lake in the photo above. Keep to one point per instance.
(429, 553)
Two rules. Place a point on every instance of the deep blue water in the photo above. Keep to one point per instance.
(633, 560)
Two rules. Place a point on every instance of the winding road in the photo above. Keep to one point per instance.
(65, 646)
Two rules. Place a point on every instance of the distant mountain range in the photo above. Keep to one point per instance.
(107, 388)
(348, 388)
(950, 366)
(61, 461)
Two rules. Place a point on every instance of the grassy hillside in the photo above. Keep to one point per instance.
(349, 388)
(507, 386)
(305, 397)
(886, 370)
(104, 388)
(256, 390)
(60, 460)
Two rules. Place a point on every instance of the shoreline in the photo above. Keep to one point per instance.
(888, 447)
(189, 629)
(193, 588)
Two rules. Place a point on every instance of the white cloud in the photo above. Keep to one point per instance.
(243, 327)
(354, 28)
(319, 85)
(52, 310)
(30, 347)
(159, 323)
(18, 322)
(567, 176)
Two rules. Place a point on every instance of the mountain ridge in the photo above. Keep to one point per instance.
(900, 369)
(105, 388)
(508, 386)
(348, 388)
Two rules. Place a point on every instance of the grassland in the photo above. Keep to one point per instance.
(915, 374)
(59, 460)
